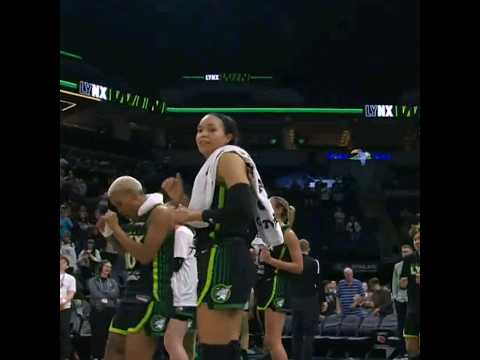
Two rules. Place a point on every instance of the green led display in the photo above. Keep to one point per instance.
(136, 101)
(68, 84)
(256, 110)
(68, 54)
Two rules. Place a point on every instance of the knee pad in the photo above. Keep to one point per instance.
(227, 351)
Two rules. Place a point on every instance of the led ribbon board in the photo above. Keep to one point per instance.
(228, 77)
(391, 111)
(103, 93)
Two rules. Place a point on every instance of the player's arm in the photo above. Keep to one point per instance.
(174, 188)
(232, 170)
(161, 224)
(296, 265)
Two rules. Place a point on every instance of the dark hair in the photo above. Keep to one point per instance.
(102, 264)
(66, 259)
(230, 127)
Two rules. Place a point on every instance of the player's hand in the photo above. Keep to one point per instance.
(111, 219)
(182, 215)
(265, 255)
(100, 225)
(376, 312)
(173, 186)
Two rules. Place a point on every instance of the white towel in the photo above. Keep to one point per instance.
(204, 187)
(152, 200)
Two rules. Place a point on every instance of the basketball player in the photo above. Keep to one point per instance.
(184, 286)
(410, 279)
(273, 289)
(148, 244)
(225, 270)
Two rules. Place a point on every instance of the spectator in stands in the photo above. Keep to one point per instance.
(68, 250)
(67, 291)
(104, 294)
(350, 295)
(399, 295)
(81, 228)
(80, 327)
(410, 280)
(88, 260)
(66, 223)
(67, 187)
(354, 229)
(379, 300)
(414, 228)
(329, 306)
(333, 286)
(339, 220)
(366, 289)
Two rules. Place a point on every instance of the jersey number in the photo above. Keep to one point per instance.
(130, 261)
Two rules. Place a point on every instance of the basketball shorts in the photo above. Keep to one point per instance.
(226, 274)
(273, 293)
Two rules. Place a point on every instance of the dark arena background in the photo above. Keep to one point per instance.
(307, 83)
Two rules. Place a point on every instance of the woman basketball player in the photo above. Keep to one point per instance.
(225, 269)
(272, 290)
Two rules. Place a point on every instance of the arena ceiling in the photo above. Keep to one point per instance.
(338, 53)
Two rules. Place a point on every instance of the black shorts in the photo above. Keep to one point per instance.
(412, 326)
(188, 314)
(184, 313)
(273, 293)
(226, 274)
(131, 318)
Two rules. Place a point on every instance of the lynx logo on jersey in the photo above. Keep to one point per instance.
(158, 323)
(221, 293)
(279, 303)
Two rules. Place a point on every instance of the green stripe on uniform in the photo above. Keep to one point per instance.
(117, 331)
(144, 320)
(156, 295)
(211, 262)
(272, 296)
(276, 282)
